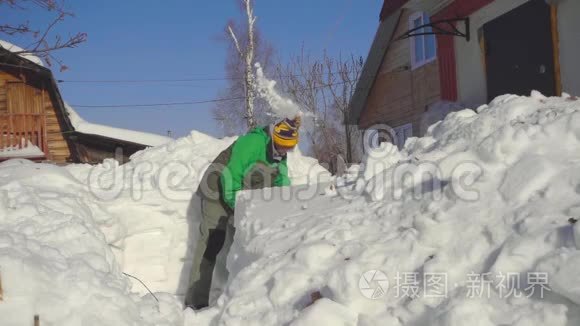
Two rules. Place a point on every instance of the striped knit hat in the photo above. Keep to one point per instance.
(286, 133)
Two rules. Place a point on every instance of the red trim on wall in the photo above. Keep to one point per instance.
(446, 44)
(447, 71)
(389, 7)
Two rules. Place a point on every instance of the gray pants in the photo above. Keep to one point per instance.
(216, 234)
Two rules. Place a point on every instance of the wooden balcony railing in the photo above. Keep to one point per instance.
(22, 130)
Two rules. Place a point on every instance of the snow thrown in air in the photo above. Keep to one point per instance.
(281, 107)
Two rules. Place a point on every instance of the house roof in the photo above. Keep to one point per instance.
(34, 64)
(371, 67)
(389, 18)
(21, 52)
(390, 7)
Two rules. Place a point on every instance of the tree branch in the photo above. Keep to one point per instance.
(41, 46)
(12, 30)
(236, 43)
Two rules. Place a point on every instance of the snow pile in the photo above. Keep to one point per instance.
(21, 52)
(469, 225)
(152, 200)
(67, 234)
(156, 211)
(138, 137)
(54, 261)
(305, 170)
(438, 111)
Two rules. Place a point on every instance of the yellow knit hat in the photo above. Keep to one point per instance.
(286, 133)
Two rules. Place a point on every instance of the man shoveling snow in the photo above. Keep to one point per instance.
(254, 161)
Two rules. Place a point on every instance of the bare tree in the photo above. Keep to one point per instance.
(341, 79)
(324, 87)
(240, 88)
(42, 44)
(245, 53)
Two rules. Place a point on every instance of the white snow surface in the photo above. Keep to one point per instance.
(55, 261)
(485, 195)
(486, 192)
(280, 106)
(68, 233)
(138, 137)
(26, 149)
(437, 111)
(14, 48)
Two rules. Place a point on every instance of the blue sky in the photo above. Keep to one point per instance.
(177, 39)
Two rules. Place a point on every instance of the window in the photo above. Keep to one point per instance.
(403, 133)
(376, 138)
(423, 47)
(400, 135)
(383, 137)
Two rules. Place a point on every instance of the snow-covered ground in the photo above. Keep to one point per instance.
(465, 226)
(55, 261)
(67, 234)
(468, 225)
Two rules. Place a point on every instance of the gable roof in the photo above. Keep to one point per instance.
(31, 63)
(390, 7)
(372, 64)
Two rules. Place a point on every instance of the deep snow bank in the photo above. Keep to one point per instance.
(54, 260)
(68, 233)
(151, 200)
(465, 226)
(156, 214)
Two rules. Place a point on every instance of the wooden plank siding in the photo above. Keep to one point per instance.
(58, 147)
(31, 107)
(27, 112)
(19, 130)
(400, 95)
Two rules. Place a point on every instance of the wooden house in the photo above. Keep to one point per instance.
(34, 120)
(465, 52)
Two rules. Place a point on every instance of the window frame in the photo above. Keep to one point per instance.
(414, 62)
(400, 132)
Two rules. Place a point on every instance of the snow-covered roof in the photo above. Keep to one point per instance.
(14, 48)
(79, 124)
(133, 136)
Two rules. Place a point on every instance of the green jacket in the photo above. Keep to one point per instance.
(249, 164)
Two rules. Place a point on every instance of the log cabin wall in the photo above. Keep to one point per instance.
(24, 101)
(58, 147)
(400, 95)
